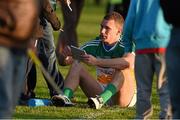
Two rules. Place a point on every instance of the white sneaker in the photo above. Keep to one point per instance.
(96, 102)
(61, 100)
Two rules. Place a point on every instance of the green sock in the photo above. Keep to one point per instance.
(108, 92)
(68, 92)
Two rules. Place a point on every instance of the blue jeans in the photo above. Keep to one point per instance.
(12, 71)
(146, 66)
(173, 68)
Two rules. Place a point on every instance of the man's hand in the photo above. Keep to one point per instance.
(89, 59)
(67, 51)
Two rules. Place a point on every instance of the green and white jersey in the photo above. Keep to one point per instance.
(98, 50)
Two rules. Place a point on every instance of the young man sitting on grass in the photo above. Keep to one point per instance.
(115, 83)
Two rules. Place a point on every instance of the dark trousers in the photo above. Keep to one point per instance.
(71, 19)
(47, 55)
(173, 68)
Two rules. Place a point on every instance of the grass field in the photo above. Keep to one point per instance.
(88, 29)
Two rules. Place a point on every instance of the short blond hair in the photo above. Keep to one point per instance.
(118, 18)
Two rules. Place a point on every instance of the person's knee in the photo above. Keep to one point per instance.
(76, 64)
(76, 67)
(118, 79)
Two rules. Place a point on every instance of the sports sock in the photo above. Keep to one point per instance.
(108, 92)
(68, 92)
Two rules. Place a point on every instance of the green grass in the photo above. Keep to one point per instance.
(88, 29)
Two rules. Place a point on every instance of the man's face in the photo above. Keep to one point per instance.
(109, 32)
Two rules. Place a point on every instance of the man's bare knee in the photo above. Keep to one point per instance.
(118, 79)
(76, 66)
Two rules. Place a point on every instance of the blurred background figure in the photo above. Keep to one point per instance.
(146, 28)
(97, 2)
(69, 35)
(14, 38)
(120, 6)
(170, 8)
(45, 51)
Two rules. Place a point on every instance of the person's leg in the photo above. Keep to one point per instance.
(144, 78)
(19, 64)
(30, 78)
(69, 35)
(79, 7)
(112, 87)
(29, 82)
(127, 89)
(48, 57)
(162, 84)
(78, 75)
(173, 68)
(12, 67)
(120, 81)
(90, 86)
(6, 88)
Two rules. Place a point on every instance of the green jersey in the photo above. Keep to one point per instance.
(97, 49)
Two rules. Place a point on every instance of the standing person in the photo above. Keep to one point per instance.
(120, 6)
(113, 70)
(14, 38)
(69, 35)
(145, 26)
(45, 51)
(170, 8)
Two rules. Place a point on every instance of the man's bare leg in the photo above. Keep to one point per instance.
(122, 85)
(78, 75)
(113, 87)
(126, 90)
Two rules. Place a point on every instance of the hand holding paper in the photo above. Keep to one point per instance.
(77, 53)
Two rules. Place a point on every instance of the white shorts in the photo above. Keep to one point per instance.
(133, 100)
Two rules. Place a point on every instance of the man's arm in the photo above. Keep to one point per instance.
(127, 61)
